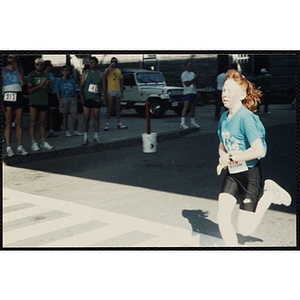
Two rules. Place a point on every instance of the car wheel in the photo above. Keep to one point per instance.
(156, 109)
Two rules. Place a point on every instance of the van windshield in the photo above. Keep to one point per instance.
(149, 77)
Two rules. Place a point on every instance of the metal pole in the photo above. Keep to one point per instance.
(148, 118)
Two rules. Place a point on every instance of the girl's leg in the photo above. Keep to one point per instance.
(19, 121)
(75, 121)
(9, 118)
(65, 121)
(273, 193)
(226, 205)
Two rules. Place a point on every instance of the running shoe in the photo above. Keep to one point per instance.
(78, 133)
(85, 142)
(35, 147)
(183, 126)
(122, 126)
(281, 195)
(97, 141)
(195, 125)
(46, 146)
(106, 127)
(21, 151)
(9, 152)
(68, 134)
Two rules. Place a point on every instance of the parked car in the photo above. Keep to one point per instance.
(140, 85)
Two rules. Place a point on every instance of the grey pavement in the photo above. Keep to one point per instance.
(39, 212)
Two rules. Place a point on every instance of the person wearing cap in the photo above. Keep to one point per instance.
(38, 83)
(12, 82)
(262, 82)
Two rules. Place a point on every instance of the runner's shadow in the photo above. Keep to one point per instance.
(201, 224)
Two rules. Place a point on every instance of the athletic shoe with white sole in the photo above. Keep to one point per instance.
(122, 126)
(21, 151)
(35, 147)
(9, 152)
(195, 125)
(281, 195)
(183, 126)
(97, 141)
(46, 146)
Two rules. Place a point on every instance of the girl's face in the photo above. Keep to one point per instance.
(65, 72)
(232, 93)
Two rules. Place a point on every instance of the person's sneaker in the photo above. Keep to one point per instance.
(85, 142)
(9, 152)
(21, 151)
(183, 126)
(51, 134)
(195, 125)
(106, 127)
(46, 146)
(281, 195)
(78, 133)
(97, 141)
(122, 126)
(68, 134)
(35, 147)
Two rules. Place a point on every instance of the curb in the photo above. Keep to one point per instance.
(122, 143)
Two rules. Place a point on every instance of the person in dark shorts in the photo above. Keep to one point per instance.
(242, 145)
(38, 83)
(12, 82)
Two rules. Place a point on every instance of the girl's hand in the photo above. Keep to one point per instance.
(220, 168)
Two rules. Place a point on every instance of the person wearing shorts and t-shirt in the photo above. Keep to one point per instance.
(13, 80)
(91, 85)
(65, 89)
(242, 146)
(114, 91)
(189, 79)
(38, 83)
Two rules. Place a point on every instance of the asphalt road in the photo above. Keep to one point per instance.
(183, 166)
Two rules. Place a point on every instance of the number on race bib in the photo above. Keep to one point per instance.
(93, 88)
(12, 97)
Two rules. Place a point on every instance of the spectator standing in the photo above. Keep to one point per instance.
(12, 82)
(220, 82)
(262, 82)
(189, 79)
(52, 99)
(38, 82)
(114, 92)
(91, 85)
(65, 89)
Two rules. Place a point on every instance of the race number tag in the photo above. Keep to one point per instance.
(93, 88)
(237, 167)
(12, 97)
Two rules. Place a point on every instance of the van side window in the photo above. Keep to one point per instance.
(128, 79)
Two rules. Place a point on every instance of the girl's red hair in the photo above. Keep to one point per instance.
(252, 98)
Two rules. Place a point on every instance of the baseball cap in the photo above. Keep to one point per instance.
(39, 60)
(263, 71)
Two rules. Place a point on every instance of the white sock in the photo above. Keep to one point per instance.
(182, 120)
(20, 147)
(193, 121)
(95, 135)
(85, 135)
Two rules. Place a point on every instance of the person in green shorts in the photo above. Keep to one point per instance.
(91, 86)
(38, 83)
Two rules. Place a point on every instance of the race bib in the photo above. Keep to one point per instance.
(93, 88)
(12, 97)
(237, 167)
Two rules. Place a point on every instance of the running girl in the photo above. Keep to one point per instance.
(242, 145)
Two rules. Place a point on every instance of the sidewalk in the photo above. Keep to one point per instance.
(166, 128)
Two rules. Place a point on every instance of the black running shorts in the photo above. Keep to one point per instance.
(245, 186)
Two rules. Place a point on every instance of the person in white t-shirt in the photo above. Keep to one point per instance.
(189, 80)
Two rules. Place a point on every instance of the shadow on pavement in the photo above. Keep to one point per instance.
(201, 224)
